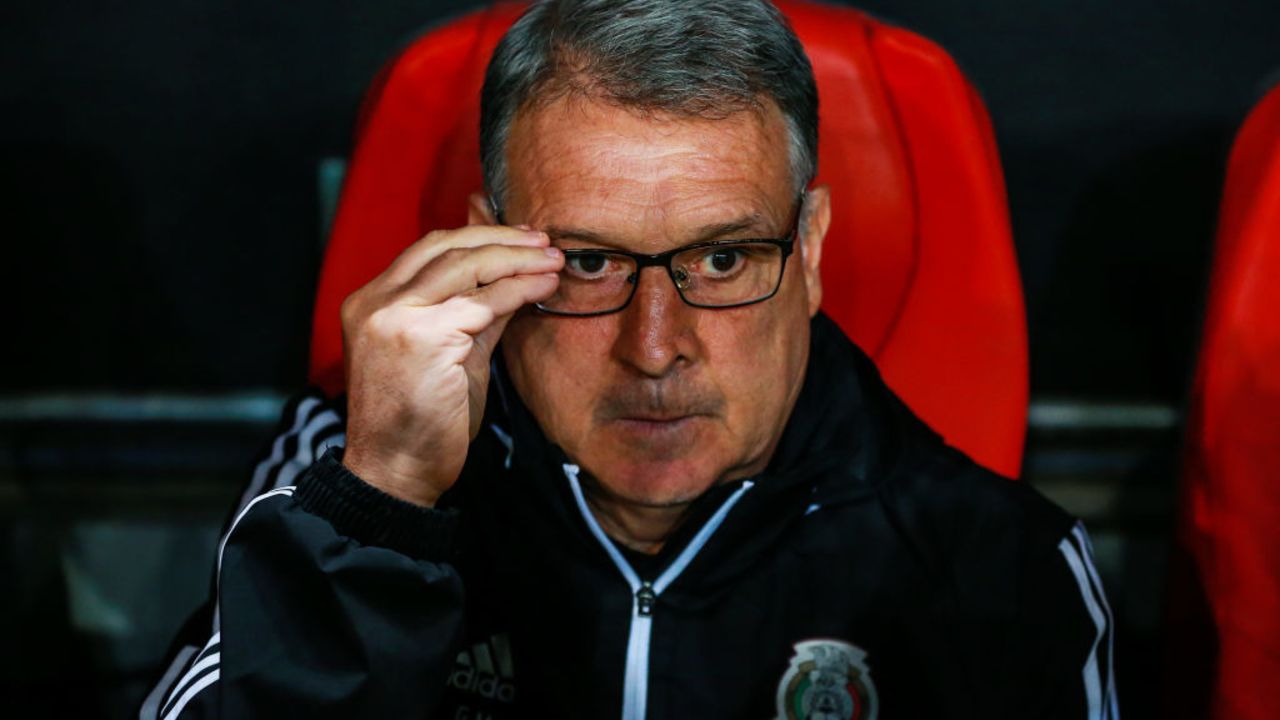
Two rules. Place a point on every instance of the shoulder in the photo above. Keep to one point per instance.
(973, 501)
(1021, 566)
(995, 540)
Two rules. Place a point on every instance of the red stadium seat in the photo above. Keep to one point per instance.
(919, 266)
(1229, 528)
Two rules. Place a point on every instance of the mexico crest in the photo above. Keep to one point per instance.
(827, 680)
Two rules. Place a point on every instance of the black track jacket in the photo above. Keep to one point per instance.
(870, 572)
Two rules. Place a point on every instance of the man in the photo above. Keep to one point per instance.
(674, 489)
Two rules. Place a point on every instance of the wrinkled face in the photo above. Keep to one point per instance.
(661, 400)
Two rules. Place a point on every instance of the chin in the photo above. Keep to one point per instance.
(663, 483)
(655, 464)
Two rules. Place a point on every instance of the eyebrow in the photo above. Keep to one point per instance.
(713, 231)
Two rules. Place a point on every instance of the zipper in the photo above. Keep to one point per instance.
(644, 595)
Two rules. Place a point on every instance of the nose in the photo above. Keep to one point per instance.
(656, 334)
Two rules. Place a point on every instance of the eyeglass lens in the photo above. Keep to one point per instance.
(711, 276)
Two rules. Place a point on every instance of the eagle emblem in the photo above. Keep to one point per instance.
(827, 680)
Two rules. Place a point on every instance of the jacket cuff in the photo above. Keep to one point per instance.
(367, 515)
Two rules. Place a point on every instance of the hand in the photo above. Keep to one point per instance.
(417, 341)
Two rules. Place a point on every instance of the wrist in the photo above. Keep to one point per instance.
(364, 513)
(400, 476)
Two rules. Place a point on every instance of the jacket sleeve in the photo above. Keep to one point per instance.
(1066, 663)
(332, 599)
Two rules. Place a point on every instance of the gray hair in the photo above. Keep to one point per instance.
(689, 58)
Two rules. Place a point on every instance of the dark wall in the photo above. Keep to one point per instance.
(160, 160)
(158, 164)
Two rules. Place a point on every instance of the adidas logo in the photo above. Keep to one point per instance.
(485, 669)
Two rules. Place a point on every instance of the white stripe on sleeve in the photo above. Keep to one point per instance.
(1086, 547)
(151, 706)
(1092, 676)
(306, 454)
(263, 470)
(210, 661)
(191, 692)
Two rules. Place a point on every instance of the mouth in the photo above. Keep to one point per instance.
(657, 425)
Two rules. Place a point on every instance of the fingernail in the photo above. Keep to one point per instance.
(552, 251)
(525, 228)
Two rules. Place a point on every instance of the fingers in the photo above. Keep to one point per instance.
(464, 280)
(461, 270)
(421, 253)
(476, 311)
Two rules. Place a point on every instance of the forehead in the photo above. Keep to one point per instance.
(583, 161)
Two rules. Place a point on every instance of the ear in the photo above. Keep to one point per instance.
(480, 210)
(817, 221)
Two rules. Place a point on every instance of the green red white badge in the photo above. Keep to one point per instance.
(827, 680)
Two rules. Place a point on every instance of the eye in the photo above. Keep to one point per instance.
(586, 265)
(721, 263)
(724, 260)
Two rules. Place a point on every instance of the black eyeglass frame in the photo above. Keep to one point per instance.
(663, 259)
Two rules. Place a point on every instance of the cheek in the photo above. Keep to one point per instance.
(557, 367)
(763, 360)
(756, 357)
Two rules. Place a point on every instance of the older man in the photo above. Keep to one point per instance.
(674, 489)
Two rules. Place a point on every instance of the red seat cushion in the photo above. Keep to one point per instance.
(918, 268)
(1230, 523)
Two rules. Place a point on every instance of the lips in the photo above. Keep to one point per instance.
(666, 403)
(664, 425)
(657, 418)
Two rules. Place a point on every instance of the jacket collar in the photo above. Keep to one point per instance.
(846, 438)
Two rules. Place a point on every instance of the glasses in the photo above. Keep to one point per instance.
(717, 274)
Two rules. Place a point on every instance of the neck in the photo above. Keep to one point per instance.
(641, 528)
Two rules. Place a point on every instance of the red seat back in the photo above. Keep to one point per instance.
(918, 268)
(1230, 523)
